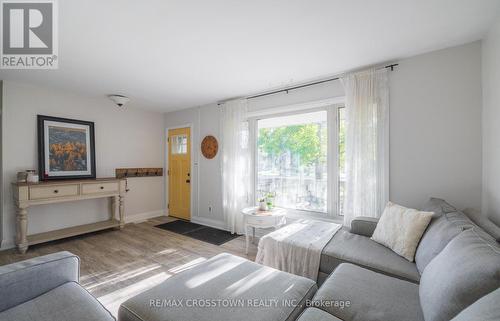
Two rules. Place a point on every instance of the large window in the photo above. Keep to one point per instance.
(294, 153)
(292, 160)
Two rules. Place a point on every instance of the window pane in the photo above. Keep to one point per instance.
(341, 158)
(179, 144)
(292, 160)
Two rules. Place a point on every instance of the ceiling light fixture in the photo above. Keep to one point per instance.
(119, 100)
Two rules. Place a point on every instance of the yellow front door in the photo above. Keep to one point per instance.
(179, 171)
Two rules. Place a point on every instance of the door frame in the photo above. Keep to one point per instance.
(191, 168)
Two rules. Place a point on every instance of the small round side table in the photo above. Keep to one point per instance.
(254, 218)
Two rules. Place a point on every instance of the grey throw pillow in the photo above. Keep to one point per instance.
(466, 269)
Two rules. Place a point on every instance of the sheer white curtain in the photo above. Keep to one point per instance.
(236, 164)
(367, 144)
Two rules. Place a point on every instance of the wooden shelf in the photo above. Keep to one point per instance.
(71, 231)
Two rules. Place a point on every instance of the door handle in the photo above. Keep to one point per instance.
(188, 181)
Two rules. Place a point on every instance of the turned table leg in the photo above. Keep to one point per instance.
(121, 209)
(113, 208)
(22, 229)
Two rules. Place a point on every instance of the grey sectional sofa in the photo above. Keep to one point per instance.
(355, 246)
(455, 276)
(46, 288)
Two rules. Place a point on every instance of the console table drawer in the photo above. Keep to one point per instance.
(53, 191)
(96, 188)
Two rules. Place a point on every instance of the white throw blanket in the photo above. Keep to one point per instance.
(296, 248)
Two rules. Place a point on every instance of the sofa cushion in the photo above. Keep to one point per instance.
(467, 269)
(25, 280)
(363, 225)
(67, 302)
(400, 229)
(234, 289)
(441, 230)
(314, 314)
(484, 309)
(346, 247)
(447, 223)
(367, 295)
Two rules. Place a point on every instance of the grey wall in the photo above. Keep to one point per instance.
(491, 126)
(435, 129)
(435, 138)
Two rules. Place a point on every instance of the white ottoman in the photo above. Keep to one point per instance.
(225, 287)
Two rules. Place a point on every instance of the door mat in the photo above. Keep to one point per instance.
(200, 232)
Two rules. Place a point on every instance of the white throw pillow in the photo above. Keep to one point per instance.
(401, 228)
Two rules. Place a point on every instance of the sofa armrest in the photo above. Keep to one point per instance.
(364, 225)
(25, 280)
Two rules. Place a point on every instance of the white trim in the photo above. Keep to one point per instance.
(191, 206)
(331, 161)
(296, 107)
(331, 107)
(221, 225)
(140, 217)
(7, 245)
(253, 132)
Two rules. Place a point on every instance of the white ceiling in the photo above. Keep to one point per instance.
(169, 55)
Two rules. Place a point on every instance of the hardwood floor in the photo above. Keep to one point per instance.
(116, 265)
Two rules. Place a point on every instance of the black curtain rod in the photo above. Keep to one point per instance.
(305, 85)
(309, 84)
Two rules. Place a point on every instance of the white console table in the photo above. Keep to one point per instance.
(32, 194)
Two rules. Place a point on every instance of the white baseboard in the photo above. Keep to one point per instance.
(221, 225)
(7, 245)
(139, 217)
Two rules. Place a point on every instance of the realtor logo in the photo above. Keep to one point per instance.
(29, 34)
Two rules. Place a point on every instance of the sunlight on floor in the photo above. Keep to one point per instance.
(167, 251)
(113, 300)
(117, 277)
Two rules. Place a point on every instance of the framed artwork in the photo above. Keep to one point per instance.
(66, 148)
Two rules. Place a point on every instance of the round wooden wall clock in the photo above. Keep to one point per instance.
(209, 147)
